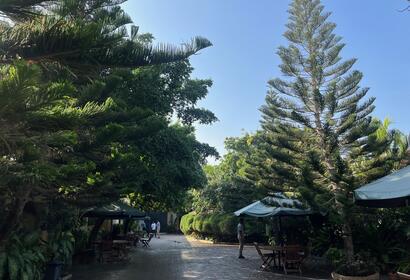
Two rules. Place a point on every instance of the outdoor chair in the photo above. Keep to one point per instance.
(292, 258)
(267, 258)
(145, 241)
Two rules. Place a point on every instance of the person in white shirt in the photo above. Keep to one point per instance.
(241, 237)
(158, 229)
(154, 228)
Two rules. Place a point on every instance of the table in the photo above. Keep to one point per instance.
(121, 246)
(112, 250)
(279, 252)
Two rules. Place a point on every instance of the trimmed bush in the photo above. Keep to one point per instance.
(197, 224)
(216, 226)
(207, 226)
(186, 224)
(220, 227)
(227, 225)
(214, 221)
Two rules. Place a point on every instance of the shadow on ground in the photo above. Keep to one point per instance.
(175, 257)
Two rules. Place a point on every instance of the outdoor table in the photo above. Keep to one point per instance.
(279, 252)
(97, 245)
(133, 238)
(121, 246)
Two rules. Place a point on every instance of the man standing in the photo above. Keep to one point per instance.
(158, 229)
(154, 228)
(241, 237)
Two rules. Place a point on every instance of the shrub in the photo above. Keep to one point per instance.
(207, 226)
(24, 258)
(335, 256)
(220, 227)
(197, 224)
(214, 221)
(227, 225)
(186, 224)
(357, 268)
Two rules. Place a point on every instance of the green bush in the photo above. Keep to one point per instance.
(215, 226)
(186, 224)
(214, 221)
(198, 222)
(24, 258)
(227, 225)
(207, 226)
(335, 256)
(220, 227)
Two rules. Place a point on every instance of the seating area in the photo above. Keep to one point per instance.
(145, 241)
(118, 249)
(267, 258)
(287, 258)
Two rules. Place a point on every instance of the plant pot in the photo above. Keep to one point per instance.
(53, 270)
(403, 276)
(393, 276)
(336, 276)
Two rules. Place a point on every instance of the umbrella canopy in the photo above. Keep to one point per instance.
(115, 210)
(390, 191)
(277, 205)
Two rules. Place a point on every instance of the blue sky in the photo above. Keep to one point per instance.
(246, 35)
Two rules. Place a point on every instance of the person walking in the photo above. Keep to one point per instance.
(241, 237)
(158, 229)
(154, 228)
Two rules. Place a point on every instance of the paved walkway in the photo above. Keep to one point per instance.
(175, 257)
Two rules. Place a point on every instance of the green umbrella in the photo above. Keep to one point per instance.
(390, 191)
(115, 210)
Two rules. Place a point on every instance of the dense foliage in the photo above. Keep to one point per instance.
(227, 188)
(89, 114)
(321, 138)
(221, 227)
(319, 141)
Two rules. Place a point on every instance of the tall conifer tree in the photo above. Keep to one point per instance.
(317, 119)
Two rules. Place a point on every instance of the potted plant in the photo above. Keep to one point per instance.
(403, 272)
(356, 270)
(60, 250)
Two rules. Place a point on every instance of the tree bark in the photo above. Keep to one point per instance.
(13, 217)
(94, 231)
(336, 188)
(348, 242)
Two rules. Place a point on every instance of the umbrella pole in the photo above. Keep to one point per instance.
(280, 231)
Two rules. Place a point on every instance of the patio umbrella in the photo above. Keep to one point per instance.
(390, 191)
(115, 210)
(277, 205)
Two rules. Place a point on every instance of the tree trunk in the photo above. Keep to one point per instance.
(13, 217)
(94, 231)
(338, 191)
(348, 242)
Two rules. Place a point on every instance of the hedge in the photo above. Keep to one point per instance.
(219, 227)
